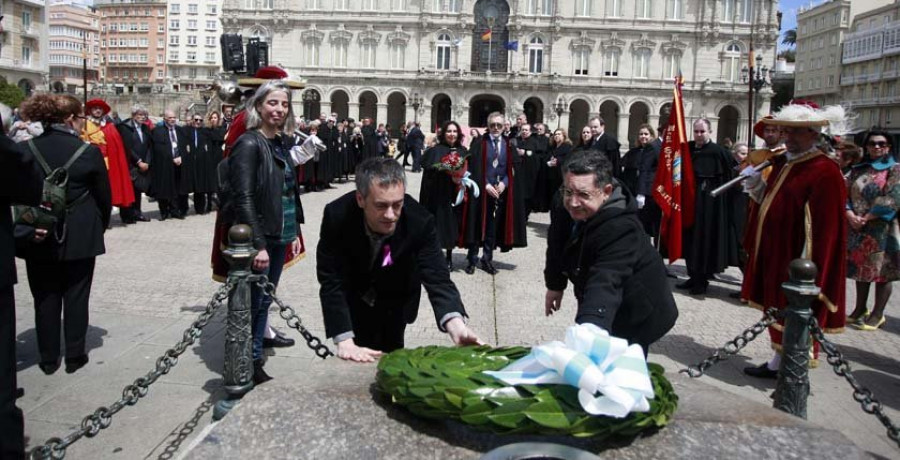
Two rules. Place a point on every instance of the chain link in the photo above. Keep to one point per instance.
(293, 321)
(101, 419)
(734, 346)
(861, 394)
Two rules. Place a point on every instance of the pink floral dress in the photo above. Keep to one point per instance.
(873, 252)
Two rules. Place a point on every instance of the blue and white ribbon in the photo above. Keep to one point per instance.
(466, 183)
(612, 376)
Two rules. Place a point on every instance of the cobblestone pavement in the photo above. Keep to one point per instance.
(154, 280)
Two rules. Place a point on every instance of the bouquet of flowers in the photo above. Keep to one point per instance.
(457, 168)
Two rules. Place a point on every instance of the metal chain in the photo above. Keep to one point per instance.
(861, 394)
(734, 346)
(102, 418)
(293, 321)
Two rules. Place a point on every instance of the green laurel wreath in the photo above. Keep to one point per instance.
(448, 383)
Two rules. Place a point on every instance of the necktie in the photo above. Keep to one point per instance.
(174, 141)
(496, 161)
(195, 139)
(137, 128)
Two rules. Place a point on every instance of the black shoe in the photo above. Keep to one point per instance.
(259, 374)
(179, 216)
(470, 269)
(73, 364)
(698, 289)
(762, 372)
(686, 284)
(278, 341)
(488, 267)
(49, 368)
(163, 216)
(128, 220)
(142, 218)
(735, 295)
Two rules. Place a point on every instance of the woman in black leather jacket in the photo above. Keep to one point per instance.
(265, 196)
(60, 262)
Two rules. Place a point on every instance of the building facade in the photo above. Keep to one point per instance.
(194, 56)
(74, 44)
(558, 61)
(132, 45)
(871, 68)
(23, 44)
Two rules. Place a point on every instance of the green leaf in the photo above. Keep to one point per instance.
(550, 415)
(510, 415)
(476, 414)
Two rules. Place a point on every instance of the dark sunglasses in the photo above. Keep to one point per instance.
(495, 125)
(879, 144)
(198, 119)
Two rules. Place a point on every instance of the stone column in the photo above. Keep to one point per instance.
(353, 110)
(381, 112)
(325, 107)
(623, 132)
(654, 121)
(425, 118)
(563, 122)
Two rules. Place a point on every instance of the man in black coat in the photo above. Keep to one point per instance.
(597, 242)
(136, 139)
(415, 143)
(606, 143)
(20, 183)
(378, 247)
(166, 173)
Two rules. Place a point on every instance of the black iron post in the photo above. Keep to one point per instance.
(792, 388)
(559, 107)
(416, 103)
(238, 372)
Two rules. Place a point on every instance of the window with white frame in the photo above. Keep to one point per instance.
(26, 55)
(192, 8)
(536, 55)
(675, 9)
(442, 49)
(368, 55)
(341, 4)
(613, 8)
(731, 63)
(161, 28)
(192, 72)
(642, 63)
(145, 42)
(728, 10)
(192, 24)
(210, 41)
(398, 50)
(339, 53)
(368, 5)
(398, 5)
(539, 7)
(211, 9)
(160, 43)
(174, 8)
(671, 64)
(210, 56)
(582, 59)
(211, 25)
(174, 24)
(314, 4)
(744, 10)
(173, 40)
(611, 62)
(644, 9)
(192, 56)
(583, 8)
(312, 53)
(192, 40)
(173, 55)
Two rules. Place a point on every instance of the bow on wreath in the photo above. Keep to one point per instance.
(464, 183)
(612, 376)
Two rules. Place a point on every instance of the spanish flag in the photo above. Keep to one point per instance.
(486, 37)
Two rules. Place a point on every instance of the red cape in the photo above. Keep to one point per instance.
(120, 185)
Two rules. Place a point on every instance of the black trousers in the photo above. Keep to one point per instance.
(203, 202)
(12, 431)
(490, 231)
(61, 288)
(378, 329)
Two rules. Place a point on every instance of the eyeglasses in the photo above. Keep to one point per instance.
(580, 195)
(495, 125)
(198, 119)
(877, 144)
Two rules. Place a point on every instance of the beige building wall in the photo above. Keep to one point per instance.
(23, 44)
(132, 45)
(616, 58)
(74, 35)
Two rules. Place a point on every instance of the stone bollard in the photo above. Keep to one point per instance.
(238, 372)
(792, 388)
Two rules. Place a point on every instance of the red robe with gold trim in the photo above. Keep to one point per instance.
(106, 137)
(801, 215)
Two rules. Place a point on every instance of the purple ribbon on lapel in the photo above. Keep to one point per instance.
(387, 262)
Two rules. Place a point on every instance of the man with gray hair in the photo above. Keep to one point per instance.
(378, 247)
(138, 148)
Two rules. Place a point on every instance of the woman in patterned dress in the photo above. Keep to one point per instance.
(873, 246)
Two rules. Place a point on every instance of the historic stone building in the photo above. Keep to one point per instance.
(24, 43)
(559, 61)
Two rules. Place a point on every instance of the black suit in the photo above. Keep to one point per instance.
(138, 147)
(373, 301)
(608, 144)
(619, 278)
(20, 183)
(415, 142)
(60, 274)
(168, 180)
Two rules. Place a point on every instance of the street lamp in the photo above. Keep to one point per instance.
(756, 78)
(559, 107)
(309, 98)
(416, 102)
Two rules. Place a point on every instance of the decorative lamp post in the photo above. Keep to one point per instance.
(309, 98)
(756, 78)
(559, 107)
(416, 102)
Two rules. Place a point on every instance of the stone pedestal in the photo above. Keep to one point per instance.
(331, 410)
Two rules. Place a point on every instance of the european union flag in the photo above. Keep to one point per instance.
(512, 46)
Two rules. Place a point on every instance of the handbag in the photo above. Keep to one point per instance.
(140, 179)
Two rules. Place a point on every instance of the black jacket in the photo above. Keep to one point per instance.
(619, 278)
(256, 177)
(20, 183)
(135, 148)
(88, 218)
(639, 169)
(346, 276)
(167, 180)
(608, 144)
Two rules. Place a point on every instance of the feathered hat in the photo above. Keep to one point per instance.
(832, 119)
(267, 73)
(97, 103)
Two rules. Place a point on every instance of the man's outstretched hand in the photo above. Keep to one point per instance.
(460, 333)
(348, 350)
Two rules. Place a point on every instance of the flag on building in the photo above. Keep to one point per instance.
(486, 36)
(512, 46)
(673, 186)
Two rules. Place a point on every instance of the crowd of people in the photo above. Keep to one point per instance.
(804, 194)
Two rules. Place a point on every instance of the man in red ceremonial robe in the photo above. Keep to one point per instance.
(800, 215)
(102, 132)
